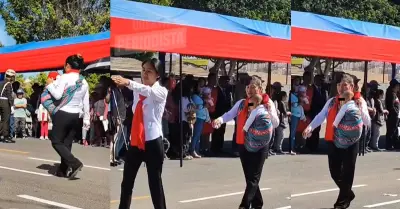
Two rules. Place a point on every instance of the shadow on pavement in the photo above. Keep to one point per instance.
(51, 169)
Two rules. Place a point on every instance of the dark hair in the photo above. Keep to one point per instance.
(186, 89)
(16, 85)
(164, 81)
(155, 63)
(377, 93)
(281, 95)
(75, 61)
(195, 86)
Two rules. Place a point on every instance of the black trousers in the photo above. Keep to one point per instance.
(5, 114)
(218, 139)
(65, 128)
(313, 143)
(342, 165)
(153, 156)
(252, 164)
(391, 132)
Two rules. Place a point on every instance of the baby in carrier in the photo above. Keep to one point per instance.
(348, 122)
(258, 126)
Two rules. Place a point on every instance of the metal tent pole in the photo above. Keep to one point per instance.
(363, 141)
(287, 73)
(269, 78)
(383, 72)
(180, 111)
(170, 63)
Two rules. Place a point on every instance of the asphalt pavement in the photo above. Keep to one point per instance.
(26, 181)
(301, 182)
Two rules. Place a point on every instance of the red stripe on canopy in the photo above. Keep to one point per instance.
(340, 45)
(54, 57)
(188, 40)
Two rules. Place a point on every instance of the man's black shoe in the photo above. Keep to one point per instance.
(349, 199)
(72, 171)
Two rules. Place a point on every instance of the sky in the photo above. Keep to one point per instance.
(7, 40)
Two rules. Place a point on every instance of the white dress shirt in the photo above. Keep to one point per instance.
(79, 101)
(153, 107)
(259, 110)
(324, 114)
(233, 113)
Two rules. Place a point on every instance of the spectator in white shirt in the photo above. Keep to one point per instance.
(146, 135)
(66, 120)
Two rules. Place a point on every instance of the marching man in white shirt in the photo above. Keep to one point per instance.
(146, 134)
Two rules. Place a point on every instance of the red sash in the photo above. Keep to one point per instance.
(138, 133)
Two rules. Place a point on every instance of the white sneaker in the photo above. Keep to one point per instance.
(46, 138)
(41, 138)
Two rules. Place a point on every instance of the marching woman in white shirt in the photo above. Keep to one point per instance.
(146, 134)
(253, 144)
(65, 118)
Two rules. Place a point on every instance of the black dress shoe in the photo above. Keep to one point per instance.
(73, 170)
(349, 199)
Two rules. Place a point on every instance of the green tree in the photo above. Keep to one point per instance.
(376, 11)
(33, 20)
(39, 78)
(93, 80)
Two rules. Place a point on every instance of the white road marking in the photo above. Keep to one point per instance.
(323, 191)
(382, 204)
(54, 161)
(286, 207)
(218, 196)
(25, 171)
(398, 179)
(48, 202)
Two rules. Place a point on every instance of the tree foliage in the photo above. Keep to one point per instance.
(376, 11)
(33, 20)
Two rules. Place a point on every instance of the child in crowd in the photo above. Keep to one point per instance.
(283, 115)
(43, 118)
(348, 123)
(303, 99)
(20, 105)
(206, 94)
(378, 119)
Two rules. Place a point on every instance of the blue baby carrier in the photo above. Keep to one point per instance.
(259, 134)
(349, 130)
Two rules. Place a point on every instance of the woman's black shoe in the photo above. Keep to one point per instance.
(113, 164)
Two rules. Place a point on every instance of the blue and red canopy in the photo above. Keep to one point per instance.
(53, 53)
(319, 35)
(148, 27)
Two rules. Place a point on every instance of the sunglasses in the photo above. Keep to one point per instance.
(251, 104)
